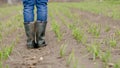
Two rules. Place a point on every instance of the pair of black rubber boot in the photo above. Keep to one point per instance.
(35, 33)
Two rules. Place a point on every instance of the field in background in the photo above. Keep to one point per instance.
(79, 35)
(107, 8)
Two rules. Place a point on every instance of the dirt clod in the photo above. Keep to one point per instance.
(110, 65)
(33, 58)
(41, 59)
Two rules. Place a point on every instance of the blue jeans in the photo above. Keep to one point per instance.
(28, 10)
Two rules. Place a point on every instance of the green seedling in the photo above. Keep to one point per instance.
(78, 35)
(63, 21)
(94, 30)
(1, 65)
(63, 50)
(1, 26)
(107, 29)
(117, 65)
(84, 40)
(1, 55)
(113, 43)
(4, 54)
(7, 52)
(56, 29)
(95, 50)
(0, 36)
(71, 26)
(9, 24)
(7, 66)
(105, 57)
(117, 32)
(72, 60)
(71, 56)
(75, 63)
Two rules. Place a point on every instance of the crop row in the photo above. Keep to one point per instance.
(9, 27)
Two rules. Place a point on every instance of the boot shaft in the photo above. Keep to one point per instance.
(40, 32)
(29, 30)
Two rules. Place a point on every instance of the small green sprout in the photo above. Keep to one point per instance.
(71, 56)
(63, 50)
(107, 29)
(95, 50)
(117, 65)
(1, 65)
(94, 30)
(75, 63)
(105, 57)
(79, 35)
(113, 43)
(72, 59)
(56, 29)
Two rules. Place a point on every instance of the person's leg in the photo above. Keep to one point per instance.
(41, 10)
(28, 13)
(41, 22)
(28, 10)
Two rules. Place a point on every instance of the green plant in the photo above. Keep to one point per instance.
(63, 50)
(71, 56)
(113, 42)
(78, 35)
(117, 32)
(7, 52)
(95, 50)
(0, 36)
(72, 59)
(7, 66)
(1, 65)
(94, 29)
(107, 29)
(75, 63)
(71, 26)
(56, 29)
(105, 56)
(117, 65)
(1, 55)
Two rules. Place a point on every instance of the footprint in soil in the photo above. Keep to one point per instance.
(31, 61)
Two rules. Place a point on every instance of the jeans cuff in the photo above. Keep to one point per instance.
(41, 21)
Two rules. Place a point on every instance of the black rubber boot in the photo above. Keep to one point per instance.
(29, 29)
(40, 33)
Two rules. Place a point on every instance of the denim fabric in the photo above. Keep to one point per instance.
(28, 10)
